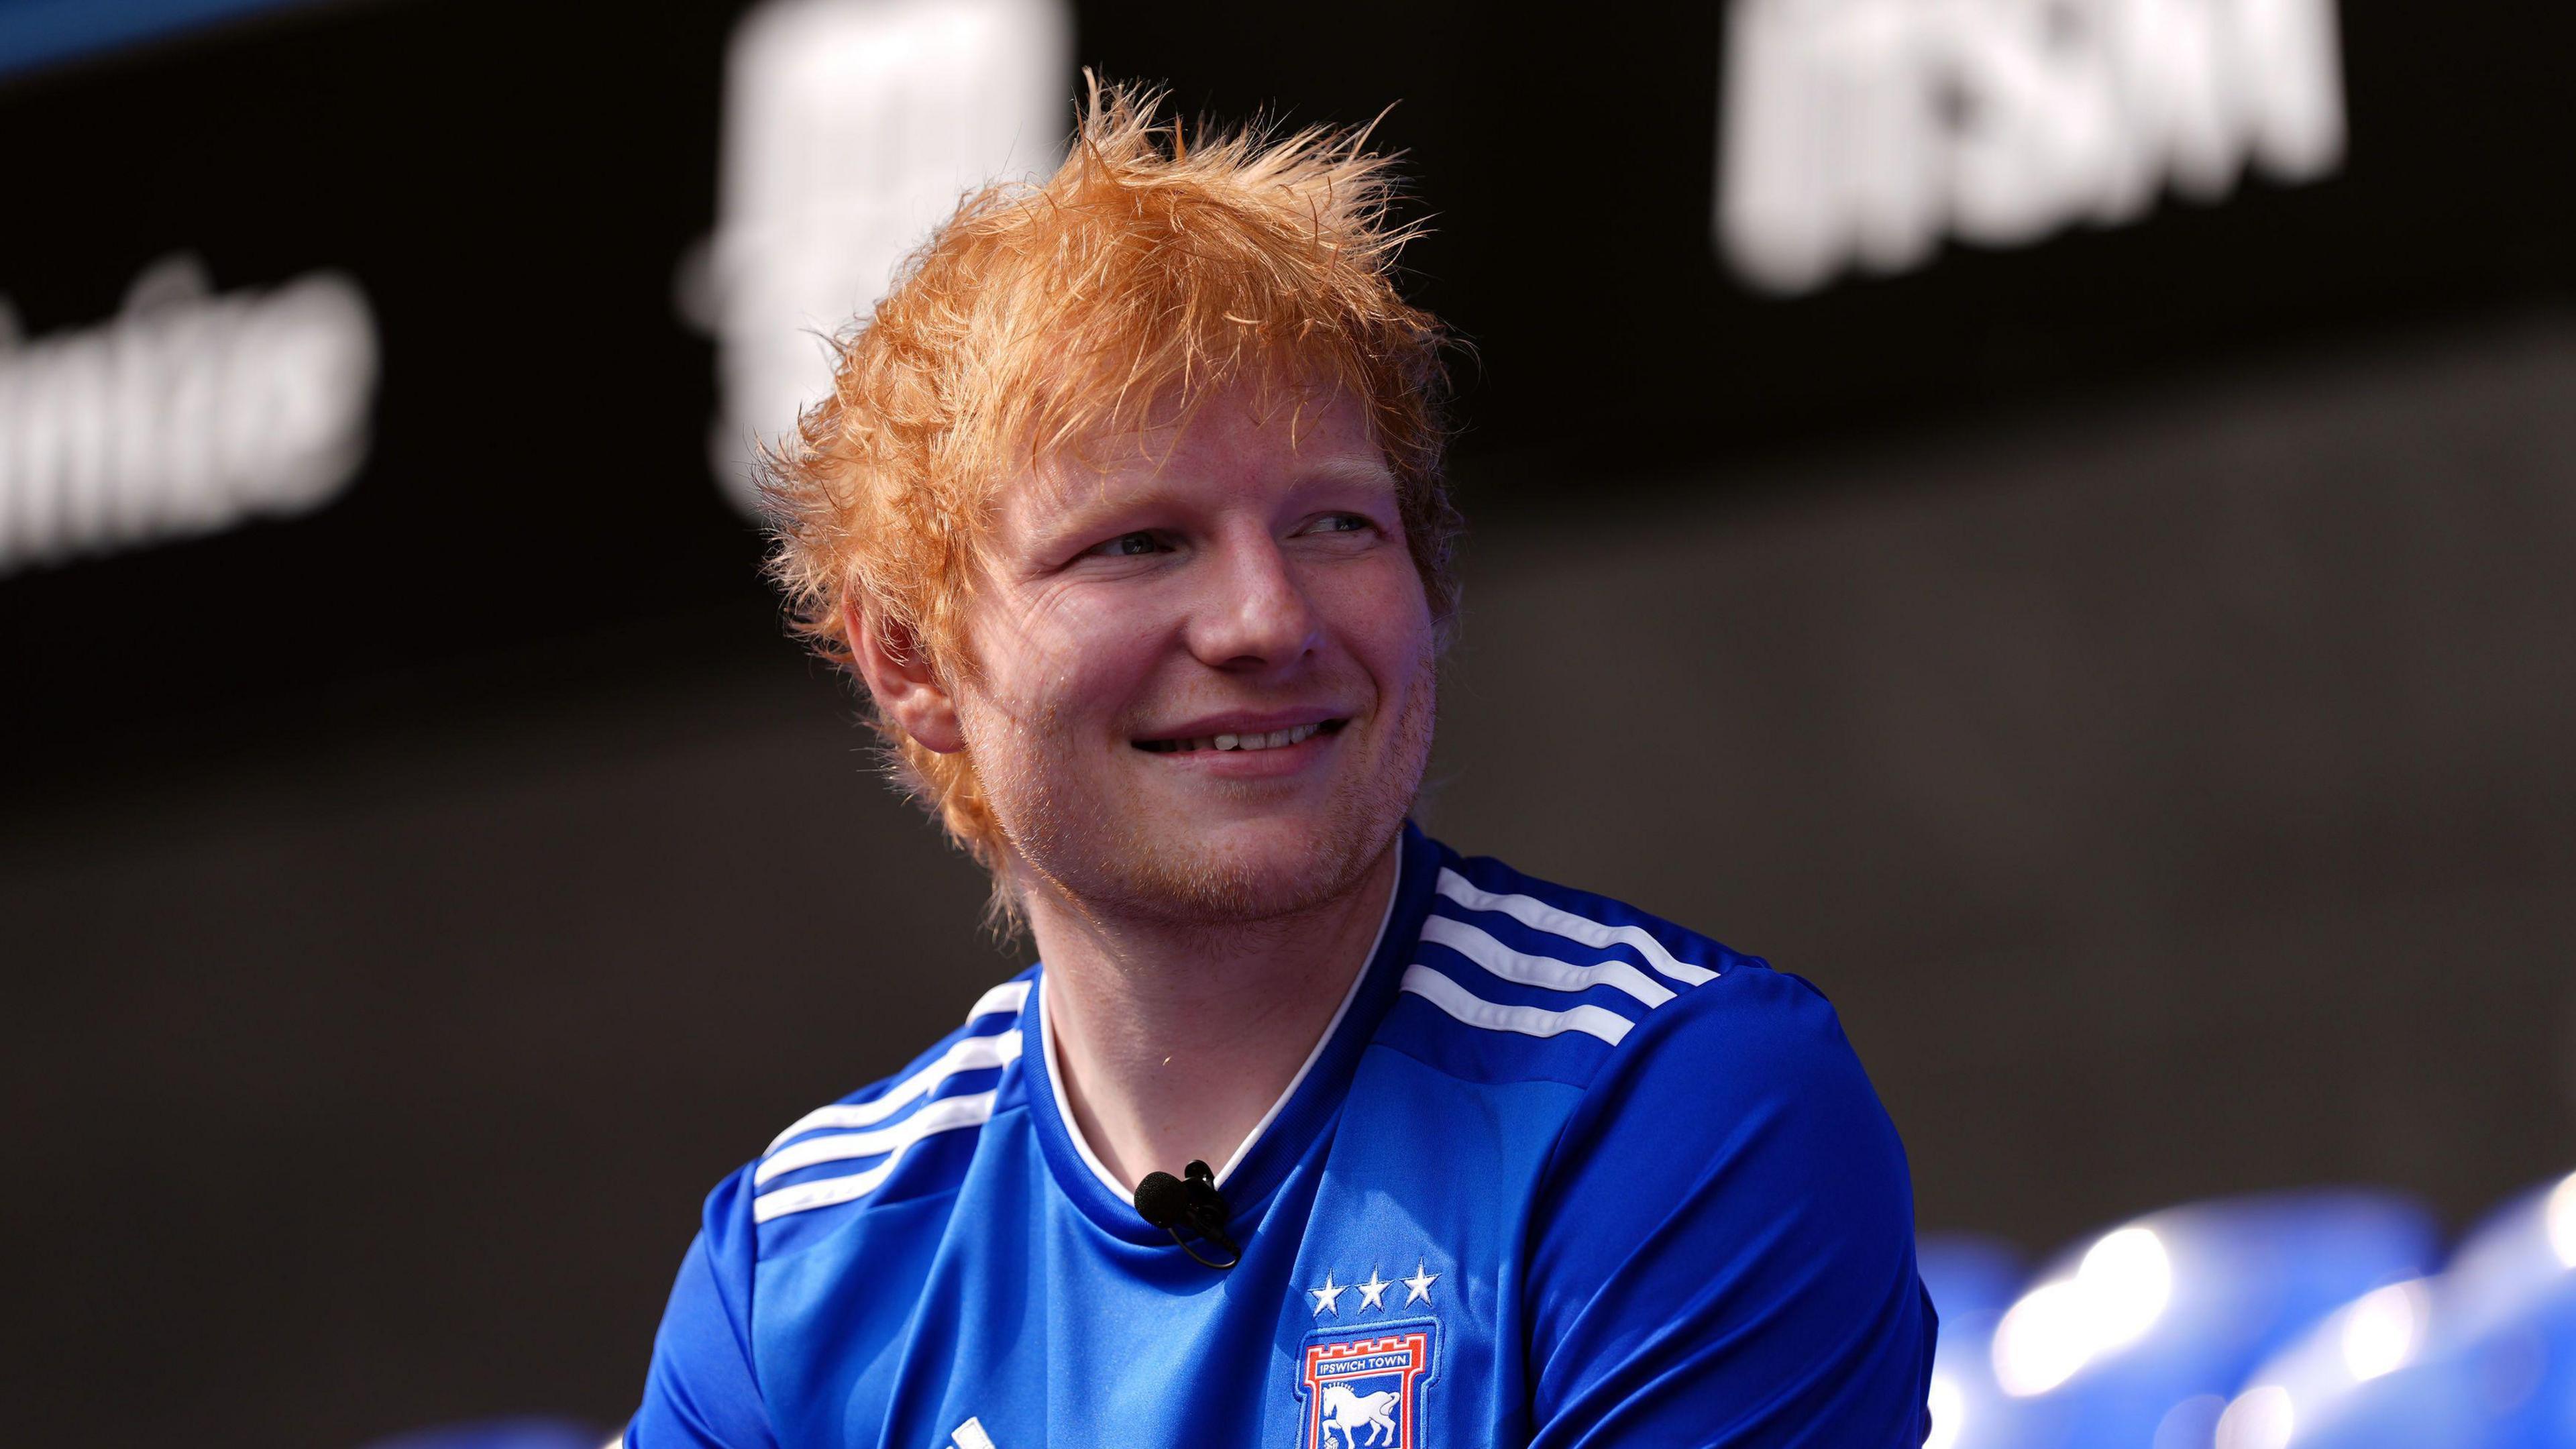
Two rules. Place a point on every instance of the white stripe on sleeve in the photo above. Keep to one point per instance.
(1545, 972)
(1533, 912)
(842, 1146)
(945, 1115)
(1476, 1011)
(967, 1054)
(1010, 996)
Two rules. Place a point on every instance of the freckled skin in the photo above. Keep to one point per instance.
(1181, 576)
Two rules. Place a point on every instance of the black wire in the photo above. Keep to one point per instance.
(1194, 1253)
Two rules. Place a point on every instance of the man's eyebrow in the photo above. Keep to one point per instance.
(1350, 468)
(1073, 510)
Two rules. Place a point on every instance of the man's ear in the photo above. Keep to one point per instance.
(909, 694)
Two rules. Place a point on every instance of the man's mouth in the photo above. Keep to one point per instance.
(1273, 740)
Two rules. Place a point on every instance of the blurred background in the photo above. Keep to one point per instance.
(2053, 519)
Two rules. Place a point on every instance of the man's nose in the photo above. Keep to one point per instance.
(1255, 612)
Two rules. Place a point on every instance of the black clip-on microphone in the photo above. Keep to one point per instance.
(1169, 1202)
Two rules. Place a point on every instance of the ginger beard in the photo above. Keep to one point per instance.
(1264, 594)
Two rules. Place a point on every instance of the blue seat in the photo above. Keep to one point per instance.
(2493, 1365)
(2139, 1336)
(2514, 1258)
(2359, 1369)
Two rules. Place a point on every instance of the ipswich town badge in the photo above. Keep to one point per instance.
(1362, 1385)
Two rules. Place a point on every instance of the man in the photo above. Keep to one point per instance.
(1127, 509)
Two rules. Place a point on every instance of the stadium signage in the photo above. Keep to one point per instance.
(851, 128)
(185, 414)
(1859, 133)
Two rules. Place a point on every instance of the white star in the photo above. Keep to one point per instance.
(1373, 1292)
(1419, 1284)
(1326, 1296)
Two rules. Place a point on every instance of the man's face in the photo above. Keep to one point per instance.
(1206, 685)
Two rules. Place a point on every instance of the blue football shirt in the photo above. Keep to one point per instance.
(1558, 1174)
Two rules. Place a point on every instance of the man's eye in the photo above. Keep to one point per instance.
(1339, 523)
(1129, 545)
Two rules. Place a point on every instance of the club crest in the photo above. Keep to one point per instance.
(1362, 1386)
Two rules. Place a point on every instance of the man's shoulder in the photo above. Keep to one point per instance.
(903, 1137)
(1516, 978)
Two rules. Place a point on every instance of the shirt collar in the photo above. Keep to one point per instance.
(1312, 1098)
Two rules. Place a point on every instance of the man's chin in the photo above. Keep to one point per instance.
(1247, 871)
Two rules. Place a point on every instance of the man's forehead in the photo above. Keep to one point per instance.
(1298, 436)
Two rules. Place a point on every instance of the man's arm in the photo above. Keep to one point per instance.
(1723, 1248)
(701, 1392)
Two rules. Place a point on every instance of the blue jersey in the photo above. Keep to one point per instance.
(1558, 1174)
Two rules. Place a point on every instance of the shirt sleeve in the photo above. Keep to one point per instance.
(1723, 1246)
(701, 1392)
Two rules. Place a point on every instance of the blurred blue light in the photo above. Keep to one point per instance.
(1972, 1281)
(46, 32)
(2137, 1337)
(500, 1434)
(2498, 1365)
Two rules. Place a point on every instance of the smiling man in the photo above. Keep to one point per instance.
(1127, 508)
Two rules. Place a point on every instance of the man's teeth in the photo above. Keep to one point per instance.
(1271, 741)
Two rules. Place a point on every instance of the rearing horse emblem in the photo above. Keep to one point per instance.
(1347, 1413)
(1362, 1387)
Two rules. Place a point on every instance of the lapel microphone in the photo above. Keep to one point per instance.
(1190, 1200)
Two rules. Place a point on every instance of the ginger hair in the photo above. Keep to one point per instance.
(1152, 269)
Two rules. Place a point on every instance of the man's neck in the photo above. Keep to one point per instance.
(1174, 1041)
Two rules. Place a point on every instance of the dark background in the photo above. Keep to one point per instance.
(2131, 674)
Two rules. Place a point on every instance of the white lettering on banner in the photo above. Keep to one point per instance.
(187, 413)
(1861, 132)
(852, 127)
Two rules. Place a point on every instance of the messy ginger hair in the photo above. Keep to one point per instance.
(1152, 269)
